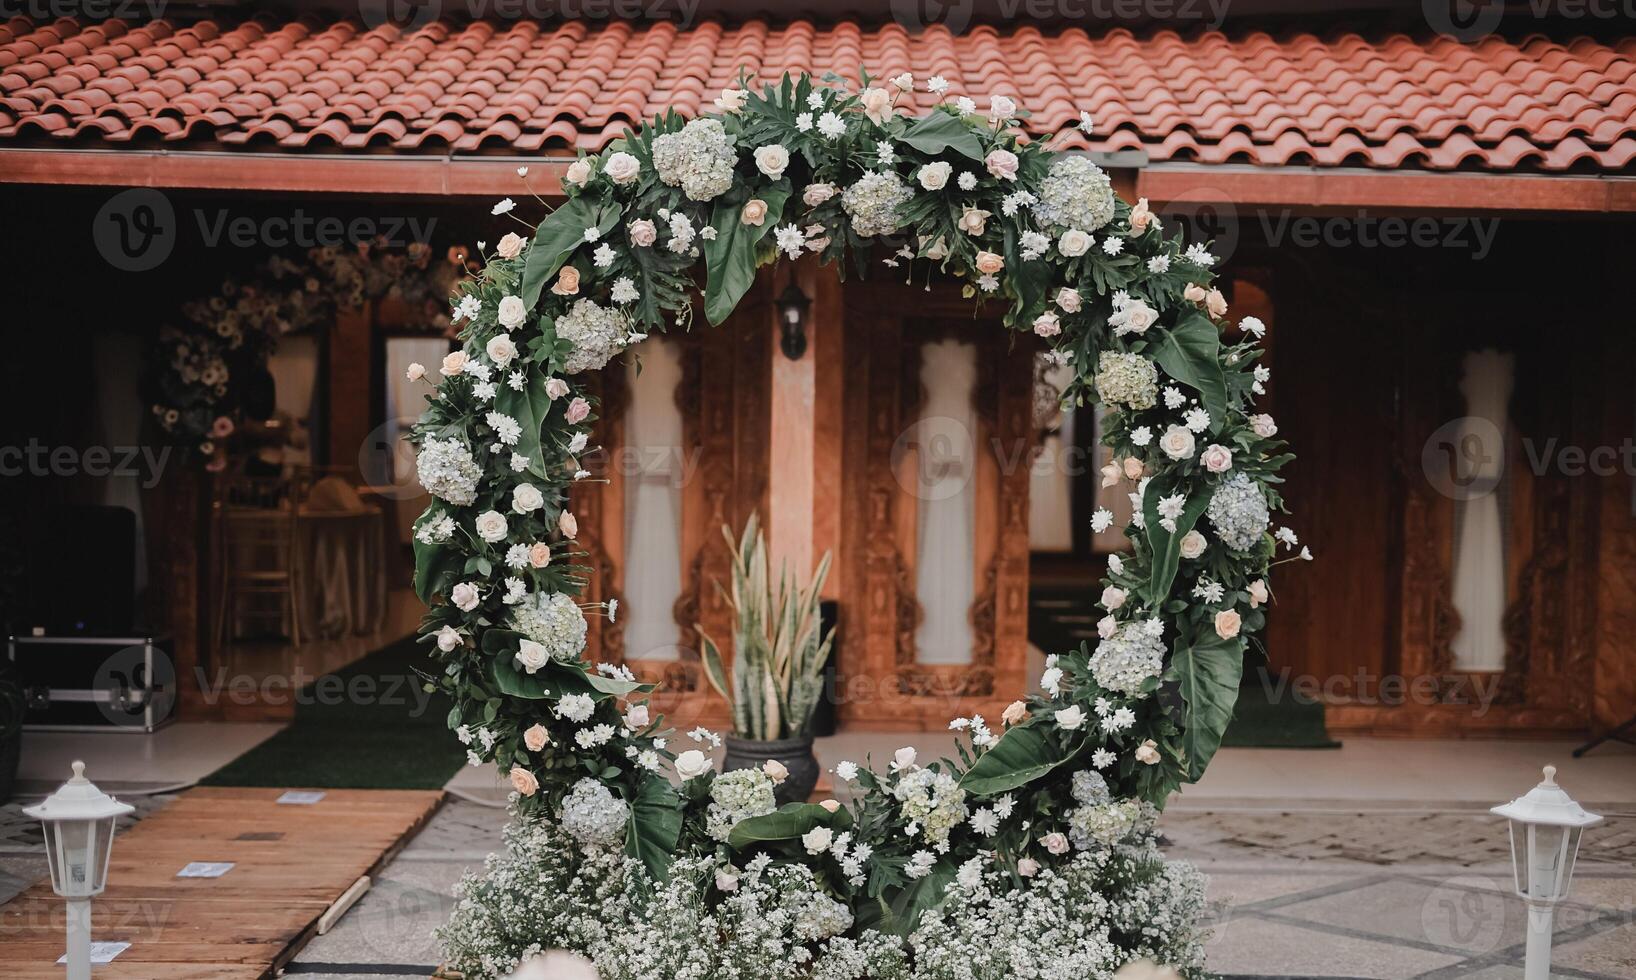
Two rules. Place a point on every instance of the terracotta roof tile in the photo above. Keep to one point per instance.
(337, 85)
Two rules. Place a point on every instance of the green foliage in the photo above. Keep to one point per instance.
(655, 825)
(1021, 756)
(1209, 670)
(730, 257)
(789, 822)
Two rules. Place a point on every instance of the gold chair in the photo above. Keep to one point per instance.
(258, 525)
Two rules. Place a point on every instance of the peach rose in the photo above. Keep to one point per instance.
(754, 213)
(816, 194)
(567, 283)
(539, 556)
(1194, 293)
(1217, 458)
(578, 409)
(877, 105)
(1014, 712)
(1148, 753)
(775, 770)
(536, 738)
(973, 220)
(523, 781)
(568, 525)
(511, 245)
(989, 263)
(453, 364)
(579, 172)
(1228, 622)
(833, 806)
(1215, 304)
(1133, 468)
(1258, 592)
(1141, 216)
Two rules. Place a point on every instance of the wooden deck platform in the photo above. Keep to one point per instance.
(291, 864)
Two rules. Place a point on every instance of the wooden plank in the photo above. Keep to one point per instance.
(291, 864)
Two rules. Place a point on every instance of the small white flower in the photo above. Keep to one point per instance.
(937, 85)
(817, 840)
(967, 180)
(1101, 520)
(603, 256)
(846, 772)
(831, 126)
(1086, 124)
(1113, 245)
(504, 206)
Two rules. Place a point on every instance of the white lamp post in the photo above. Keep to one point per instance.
(1545, 829)
(79, 836)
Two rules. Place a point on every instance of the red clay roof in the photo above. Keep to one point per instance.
(1346, 100)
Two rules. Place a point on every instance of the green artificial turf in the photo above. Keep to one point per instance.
(1268, 717)
(368, 726)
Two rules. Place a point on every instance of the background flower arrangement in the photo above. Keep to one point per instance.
(196, 363)
(1065, 787)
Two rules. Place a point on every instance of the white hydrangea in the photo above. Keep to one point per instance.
(1238, 512)
(597, 332)
(1128, 658)
(699, 159)
(1075, 194)
(1090, 788)
(1104, 825)
(873, 203)
(447, 471)
(1126, 379)
(554, 621)
(933, 801)
(735, 796)
(593, 815)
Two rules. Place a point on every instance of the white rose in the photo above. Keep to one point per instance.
(491, 526)
(417, 371)
(1068, 299)
(818, 840)
(1106, 627)
(511, 245)
(727, 879)
(732, 99)
(578, 172)
(1056, 843)
(512, 311)
(1217, 458)
(1258, 592)
(1001, 108)
(692, 763)
(526, 497)
(935, 176)
(1074, 243)
(1148, 753)
(1113, 597)
(1014, 712)
(877, 105)
(501, 350)
(532, 656)
(775, 770)
(1135, 318)
(1177, 442)
(903, 758)
(1264, 426)
(448, 638)
(1047, 324)
(1028, 868)
(464, 596)
(772, 159)
(636, 717)
(622, 168)
(1071, 717)
(1193, 545)
(454, 363)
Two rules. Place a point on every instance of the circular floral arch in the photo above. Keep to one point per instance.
(811, 167)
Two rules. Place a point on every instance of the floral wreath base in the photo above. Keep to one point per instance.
(801, 167)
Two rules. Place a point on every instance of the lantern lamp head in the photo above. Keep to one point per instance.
(79, 833)
(1546, 826)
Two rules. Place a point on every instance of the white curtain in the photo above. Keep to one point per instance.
(946, 455)
(294, 367)
(1051, 480)
(1479, 539)
(652, 466)
(406, 399)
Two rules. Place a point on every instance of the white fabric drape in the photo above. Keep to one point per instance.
(945, 443)
(406, 399)
(652, 465)
(1479, 558)
(294, 367)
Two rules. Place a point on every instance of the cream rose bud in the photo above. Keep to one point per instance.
(567, 283)
(1140, 216)
(416, 371)
(536, 738)
(816, 194)
(1177, 442)
(531, 656)
(636, 717)
(833, 806)
(818, 840)
(1047, 325)
(1217, 458)
(727, 879)
(622, 168)
(523, 781)
(775, 770)
(1263, 426)
(904, 81)
(512, 311)
(973, 220)
(1074, 243)
(501, 350)
(1001, 108)
(903, 758)
(1133, 468)
(692, 764)
(1055, 843)
(1258, 592)
(1106, 627)
(1069, 300)
(938, 250)
(754, 213)
(1228, 622)
(1027, 868)
(934, 176)
(491, 526)
(1113, 597)
(539, 556)
(1148, 753)
(1193, 545)
(464, 596)
(448, 638)
(877, 105)
(1001, 164)
(1071, 717)
(1215, 304)
(511, 245)
(555, 388)
(453, 363)
(577, 411)
(989, 263)
(1014, 712)
(568, 525)
(1194, 293)
(772, 159)
(578, 172)
(732, 99)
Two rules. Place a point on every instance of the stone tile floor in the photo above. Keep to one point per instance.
(1321, 889)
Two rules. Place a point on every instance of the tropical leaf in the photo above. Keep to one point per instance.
(1209, 673)
(788, 822)
(1190, 353)
(558, 236)
(551, 681)
(730, 258)
(529, 407)
(915, 898)
(942, 131)
(655, 825)
(1021, 756)
(437, 567)
(1167, 545)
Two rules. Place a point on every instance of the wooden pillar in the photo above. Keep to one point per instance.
(351, 379)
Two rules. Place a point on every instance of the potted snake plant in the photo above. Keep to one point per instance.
(777, 676)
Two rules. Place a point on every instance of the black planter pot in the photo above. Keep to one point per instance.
(795, 754)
